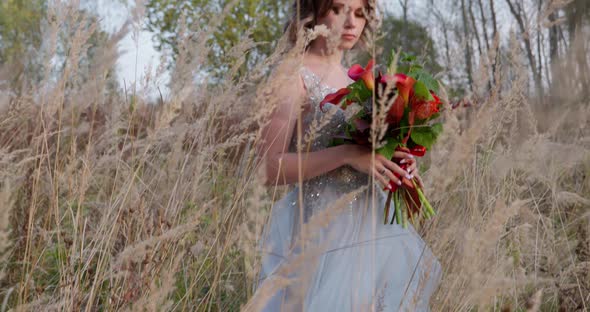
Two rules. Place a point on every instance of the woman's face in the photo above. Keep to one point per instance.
(347, 21)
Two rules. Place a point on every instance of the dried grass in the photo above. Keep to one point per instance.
(118, 204)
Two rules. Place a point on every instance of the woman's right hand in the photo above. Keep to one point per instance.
(359, 157)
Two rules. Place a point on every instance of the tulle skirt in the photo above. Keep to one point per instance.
(342, 257)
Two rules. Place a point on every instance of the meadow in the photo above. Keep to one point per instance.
(111, 201)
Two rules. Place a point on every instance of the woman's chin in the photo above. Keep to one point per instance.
(347, 45)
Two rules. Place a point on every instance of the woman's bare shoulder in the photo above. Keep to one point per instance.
(286, 78)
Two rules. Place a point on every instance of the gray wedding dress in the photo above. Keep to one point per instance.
(341, 257)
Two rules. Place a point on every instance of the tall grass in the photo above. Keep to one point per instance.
(109, 202)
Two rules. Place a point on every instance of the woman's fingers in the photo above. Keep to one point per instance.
(386, 175)
(396, 169)
(413, 166)
(419, 179)
(384, 181)
(400, 154)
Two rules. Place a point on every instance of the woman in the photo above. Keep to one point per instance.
(325, 247)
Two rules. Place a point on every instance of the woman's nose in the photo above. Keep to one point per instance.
(349, 21)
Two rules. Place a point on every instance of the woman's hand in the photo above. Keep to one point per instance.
(359, 157)
(413, 169)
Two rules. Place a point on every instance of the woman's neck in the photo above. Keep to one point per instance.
(319, 52)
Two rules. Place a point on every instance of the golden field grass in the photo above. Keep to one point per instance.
(109, 202)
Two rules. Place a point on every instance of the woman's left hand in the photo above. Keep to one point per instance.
(413, 170)
(412, 165)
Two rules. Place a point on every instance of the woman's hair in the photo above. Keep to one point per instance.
(311, 10)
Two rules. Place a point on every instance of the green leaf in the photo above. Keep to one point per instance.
(437, 129)
(404, 69)
(434, 116)
(408, 58)
(424, 77)
(389, 148)
(426, 136)
(422, 91)
(358, 92)
(430, 82)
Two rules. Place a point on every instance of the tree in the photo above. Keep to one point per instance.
(20, 38)
(517, 10)
(467, 38)
(261, 20)
(410, 37)
(578, 16)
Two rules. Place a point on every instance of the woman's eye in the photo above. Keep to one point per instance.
(336, 10)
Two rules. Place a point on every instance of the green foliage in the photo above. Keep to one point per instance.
(20, 35)
(389, 149)
(424, 77)
(260, 20)
(422, 91)
(426, 136)
(408, 36)
(358, 92)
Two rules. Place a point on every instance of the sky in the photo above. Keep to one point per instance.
(138, 57)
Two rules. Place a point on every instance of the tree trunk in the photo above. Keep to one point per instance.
(553, 37)
(518, 14)
(484, 24)
(494, 37)
(474, 26)
(494, 21)
(468, 56)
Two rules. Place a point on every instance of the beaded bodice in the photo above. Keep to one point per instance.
(319, 127)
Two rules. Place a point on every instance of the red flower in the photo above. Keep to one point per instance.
(335, 98)
(418, 150)
(403, 83)
(425, 109)
(357, 72)
(436, 98)
(396, 112)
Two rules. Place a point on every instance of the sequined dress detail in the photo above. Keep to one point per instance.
(345, 259)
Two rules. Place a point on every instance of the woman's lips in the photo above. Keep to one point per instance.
(349, 37)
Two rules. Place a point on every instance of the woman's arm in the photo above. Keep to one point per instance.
(281, 167)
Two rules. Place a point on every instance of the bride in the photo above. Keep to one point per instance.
(325, 247)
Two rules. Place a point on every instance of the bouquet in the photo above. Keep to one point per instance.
(397, 108)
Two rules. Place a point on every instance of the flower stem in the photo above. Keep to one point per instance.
(405, 216)
(429, 210)
(387, 207)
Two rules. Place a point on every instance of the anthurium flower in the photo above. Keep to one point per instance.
(436, 98)
(403, 83)
(418, 150)
(396, 112)
(357, 72)
(334, 98)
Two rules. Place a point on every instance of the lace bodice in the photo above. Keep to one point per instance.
(319, 127)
